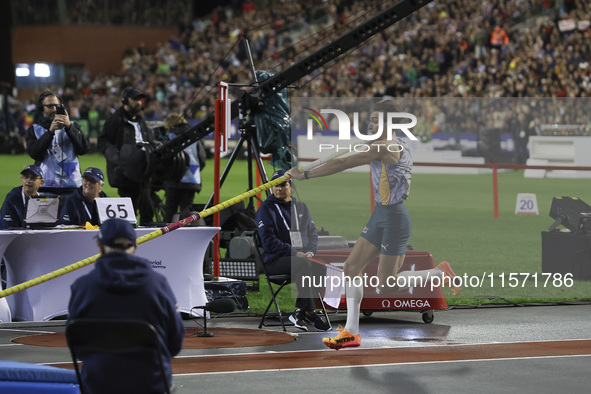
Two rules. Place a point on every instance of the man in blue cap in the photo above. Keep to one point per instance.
(12, 214)
(80, 207)
(288, 236)
(124, 286)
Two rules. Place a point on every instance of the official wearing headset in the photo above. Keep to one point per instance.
(125, 141)
(55, 142)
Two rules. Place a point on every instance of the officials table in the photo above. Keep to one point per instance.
(29, 254)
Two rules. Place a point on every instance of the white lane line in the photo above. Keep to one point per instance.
(315, 368)
(31, 331)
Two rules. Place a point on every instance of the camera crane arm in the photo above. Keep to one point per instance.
(279, 81)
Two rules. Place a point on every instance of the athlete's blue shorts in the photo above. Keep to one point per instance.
(389, 229)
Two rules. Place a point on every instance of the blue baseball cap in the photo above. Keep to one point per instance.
(279, 173)
(113, 230)
(94, 173)
(34, 169)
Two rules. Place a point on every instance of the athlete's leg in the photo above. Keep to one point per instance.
(395, 235)
(363, 252)
(443, 274)
(388, 267)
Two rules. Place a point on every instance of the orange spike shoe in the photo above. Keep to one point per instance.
(343, 339)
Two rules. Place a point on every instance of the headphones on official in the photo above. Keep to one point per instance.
(43, 96)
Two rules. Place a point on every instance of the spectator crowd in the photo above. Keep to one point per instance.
(461, 48)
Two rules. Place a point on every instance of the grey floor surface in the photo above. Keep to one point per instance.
(461, 326)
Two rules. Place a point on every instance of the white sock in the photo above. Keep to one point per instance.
(354, 296)
(411, 278)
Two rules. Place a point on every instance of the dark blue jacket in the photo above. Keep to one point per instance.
(77, 208)
(12, 213)
(124, 286)
(274, 233)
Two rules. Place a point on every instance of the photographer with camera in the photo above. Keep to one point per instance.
(55, 142)
(126, 142)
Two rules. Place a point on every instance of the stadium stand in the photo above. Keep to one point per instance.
(446, 49)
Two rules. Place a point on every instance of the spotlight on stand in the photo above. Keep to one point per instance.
(222, 305)
(572, 213)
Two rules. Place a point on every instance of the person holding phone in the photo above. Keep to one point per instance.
(55, 142)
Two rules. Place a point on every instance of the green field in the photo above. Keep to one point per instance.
(452, 218)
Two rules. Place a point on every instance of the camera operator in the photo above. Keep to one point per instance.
(55, 142)
(126, 141)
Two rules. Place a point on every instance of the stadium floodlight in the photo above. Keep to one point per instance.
(42, 70)
(22, 70)
(572, 213)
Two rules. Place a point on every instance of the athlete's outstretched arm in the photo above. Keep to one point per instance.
(375, 152)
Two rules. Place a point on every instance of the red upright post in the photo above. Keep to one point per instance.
(220, 145)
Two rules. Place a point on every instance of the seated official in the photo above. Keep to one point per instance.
(80, 206)
(12, 214)
(289, 237)
(125, 286)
